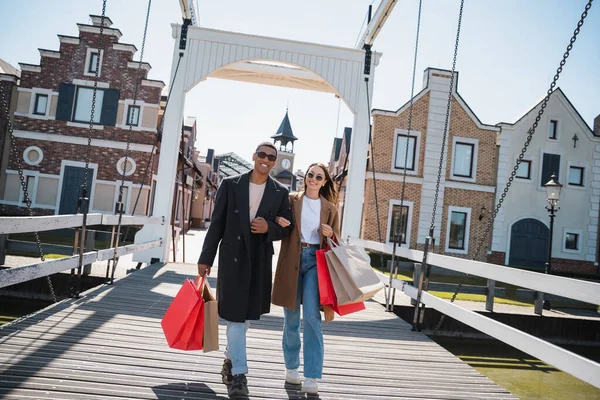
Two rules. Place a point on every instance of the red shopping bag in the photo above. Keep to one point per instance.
(326, 291)
(183, 323)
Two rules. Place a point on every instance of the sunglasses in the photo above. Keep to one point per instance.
(263, 155)
(319, 178)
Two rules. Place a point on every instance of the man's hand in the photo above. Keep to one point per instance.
(259, 225)
(203, 269)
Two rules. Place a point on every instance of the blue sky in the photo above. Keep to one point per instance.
(508, 54)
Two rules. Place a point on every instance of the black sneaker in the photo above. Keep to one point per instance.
(226, 372)
(239, 386)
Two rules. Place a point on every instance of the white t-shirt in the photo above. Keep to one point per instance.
(310, 220)
(256, 194)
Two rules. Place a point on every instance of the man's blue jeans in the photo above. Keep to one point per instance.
(308, 292)
(236, 346)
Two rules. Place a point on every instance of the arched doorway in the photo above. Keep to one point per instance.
(528, 244)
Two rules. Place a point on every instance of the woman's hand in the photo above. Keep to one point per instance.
(327, 230)
(282, 222)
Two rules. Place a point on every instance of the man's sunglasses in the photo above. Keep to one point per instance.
(319, 178)
(263, 155)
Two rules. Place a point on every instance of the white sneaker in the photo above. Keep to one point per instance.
(292, 376)
(310, 386)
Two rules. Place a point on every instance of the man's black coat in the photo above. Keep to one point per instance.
(245, 259)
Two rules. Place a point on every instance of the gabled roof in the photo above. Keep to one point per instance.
(559, 92)
(7, 69)
(285, 130)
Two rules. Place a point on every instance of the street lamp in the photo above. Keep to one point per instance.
(553, 197)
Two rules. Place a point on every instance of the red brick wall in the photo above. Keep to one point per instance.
(71, 65)
(106, 158)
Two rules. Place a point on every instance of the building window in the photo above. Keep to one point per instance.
(33, 155)
(572, 241)
(93, 63)
(83, 105)
(41, 104)
(463, 159)
(457, 230)
(550, 165)
(576, 176)
(399, 223)
(133, 115)
(553, 129)
(524, 171)
(401, 152)
(126, 170)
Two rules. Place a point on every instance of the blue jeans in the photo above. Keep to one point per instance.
(236, 346)
(308, 291)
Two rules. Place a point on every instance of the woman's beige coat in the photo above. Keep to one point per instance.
(286, 276)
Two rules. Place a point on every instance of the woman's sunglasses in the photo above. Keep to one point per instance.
(319, 178)
(263, 155)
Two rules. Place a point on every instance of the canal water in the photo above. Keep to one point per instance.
(524, 376)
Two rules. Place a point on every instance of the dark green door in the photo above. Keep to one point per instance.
(528, 244)
(71, 188)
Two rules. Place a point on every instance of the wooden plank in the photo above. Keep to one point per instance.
(107, 254)
(45, 223)
(110, 343)
(588, 292)
(111, 220)
(12, 276)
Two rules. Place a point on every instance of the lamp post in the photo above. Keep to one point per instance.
(552, 197)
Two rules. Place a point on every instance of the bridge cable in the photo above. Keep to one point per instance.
(119, 206)
(425, 268)
(530, 133)
(14, 155)
(403, 218)
(83, 201)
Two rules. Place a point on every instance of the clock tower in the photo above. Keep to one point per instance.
(284, 141)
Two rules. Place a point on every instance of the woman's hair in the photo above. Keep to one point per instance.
(328, 189)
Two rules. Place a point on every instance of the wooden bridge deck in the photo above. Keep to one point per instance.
(109, 345)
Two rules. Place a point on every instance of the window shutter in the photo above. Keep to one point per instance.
(110, 105)
(550, 166)
(66, 93)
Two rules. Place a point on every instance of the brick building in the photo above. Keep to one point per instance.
(52, 121)
(9, 80)
(468, 180)
(338, 166)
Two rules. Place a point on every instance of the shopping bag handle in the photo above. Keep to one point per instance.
(199, 282)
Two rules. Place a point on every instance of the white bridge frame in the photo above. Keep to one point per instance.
(212, 53)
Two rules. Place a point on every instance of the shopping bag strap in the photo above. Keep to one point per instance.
(199, 282)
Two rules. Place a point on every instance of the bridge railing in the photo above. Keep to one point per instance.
(8, 225)
(567, 361)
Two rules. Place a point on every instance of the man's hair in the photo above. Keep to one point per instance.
(266, 144)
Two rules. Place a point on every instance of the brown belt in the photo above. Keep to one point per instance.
(309, 245)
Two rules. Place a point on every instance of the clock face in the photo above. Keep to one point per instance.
(286, 163)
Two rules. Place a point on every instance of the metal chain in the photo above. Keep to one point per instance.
(530, 134)
(439, 176)
(93, 111)
(14, 155)
(410, 115)
(127, 148)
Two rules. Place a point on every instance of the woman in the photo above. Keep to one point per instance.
(315, 218)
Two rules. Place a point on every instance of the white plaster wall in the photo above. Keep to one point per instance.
(578, 206)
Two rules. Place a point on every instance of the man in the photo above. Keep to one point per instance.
(243, 222)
